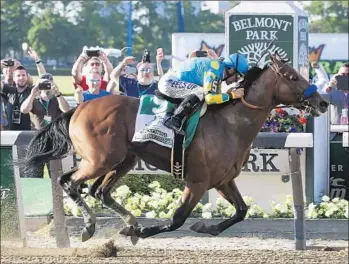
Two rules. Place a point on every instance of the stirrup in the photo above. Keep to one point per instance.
(170, 124)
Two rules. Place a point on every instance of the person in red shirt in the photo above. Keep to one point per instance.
(86, 64)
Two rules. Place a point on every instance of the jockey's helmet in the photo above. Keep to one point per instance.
(237, 62)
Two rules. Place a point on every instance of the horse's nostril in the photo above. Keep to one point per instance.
(324, 104)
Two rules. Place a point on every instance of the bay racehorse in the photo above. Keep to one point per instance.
(101, 133)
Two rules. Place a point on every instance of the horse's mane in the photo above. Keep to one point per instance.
(252, 75)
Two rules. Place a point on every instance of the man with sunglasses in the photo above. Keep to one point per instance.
(199, 79)
(144, 84)
(85, 65)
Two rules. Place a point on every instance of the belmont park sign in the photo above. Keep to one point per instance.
(251, 35)
(252, 27)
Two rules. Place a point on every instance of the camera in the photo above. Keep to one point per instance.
(201, 53)
(9, 63)
(45, 85)
(146, 56)
(92, 53)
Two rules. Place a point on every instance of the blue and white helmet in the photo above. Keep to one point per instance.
(237, 62)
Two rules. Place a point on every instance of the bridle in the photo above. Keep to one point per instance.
(302, 95)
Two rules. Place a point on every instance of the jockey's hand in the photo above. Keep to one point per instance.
(238, 93)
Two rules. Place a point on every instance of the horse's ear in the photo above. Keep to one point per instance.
(285, 60)
(277, 56)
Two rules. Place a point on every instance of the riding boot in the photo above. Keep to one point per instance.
(180, 115)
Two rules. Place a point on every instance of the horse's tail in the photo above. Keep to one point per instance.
(51, 142)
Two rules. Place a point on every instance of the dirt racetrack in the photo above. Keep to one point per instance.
(176, 250)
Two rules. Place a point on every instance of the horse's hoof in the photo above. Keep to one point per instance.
(199, 227)
(134, 240)
(212, 230)
(88, 232)
(128, 231)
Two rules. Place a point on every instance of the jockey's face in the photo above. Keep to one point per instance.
(230, 76)
(145, 74)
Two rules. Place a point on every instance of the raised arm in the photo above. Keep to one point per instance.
(108, 67)
(27, 104)
(62, 103)
(39, 65)
(159, 59)
(77, 67)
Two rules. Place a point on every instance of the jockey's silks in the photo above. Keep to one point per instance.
(203, 72)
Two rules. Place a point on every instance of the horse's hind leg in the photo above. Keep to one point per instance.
(102, 187)
(70, 181)
(191, 196)
(231, 193)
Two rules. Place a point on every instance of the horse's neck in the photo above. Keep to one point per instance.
(245, 122)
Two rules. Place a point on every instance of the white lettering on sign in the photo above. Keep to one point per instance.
(260, 35)
(338, 193)
(261, 161)
(336, 167)
(303, 36)
(260, 22)
(5, 192)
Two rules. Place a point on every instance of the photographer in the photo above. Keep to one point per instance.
(93, 60)
(337, 94)
(93, 81)
(45, 102)
(145, 82)
(9, 65)
(320, 79)
(15, 96)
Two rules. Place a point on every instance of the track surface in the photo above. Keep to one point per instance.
(41, 249)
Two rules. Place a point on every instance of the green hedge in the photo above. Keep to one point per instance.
(139, 183)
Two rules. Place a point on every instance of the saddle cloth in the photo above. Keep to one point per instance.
(149, 122)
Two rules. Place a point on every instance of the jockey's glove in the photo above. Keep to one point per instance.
(232, 95)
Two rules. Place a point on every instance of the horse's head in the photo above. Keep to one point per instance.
(293, 89)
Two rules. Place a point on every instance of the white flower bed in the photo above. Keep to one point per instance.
(162, 204)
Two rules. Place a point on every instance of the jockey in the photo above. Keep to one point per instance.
(199, 79)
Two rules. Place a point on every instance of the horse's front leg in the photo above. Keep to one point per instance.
(191, 196)
(231, 193)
